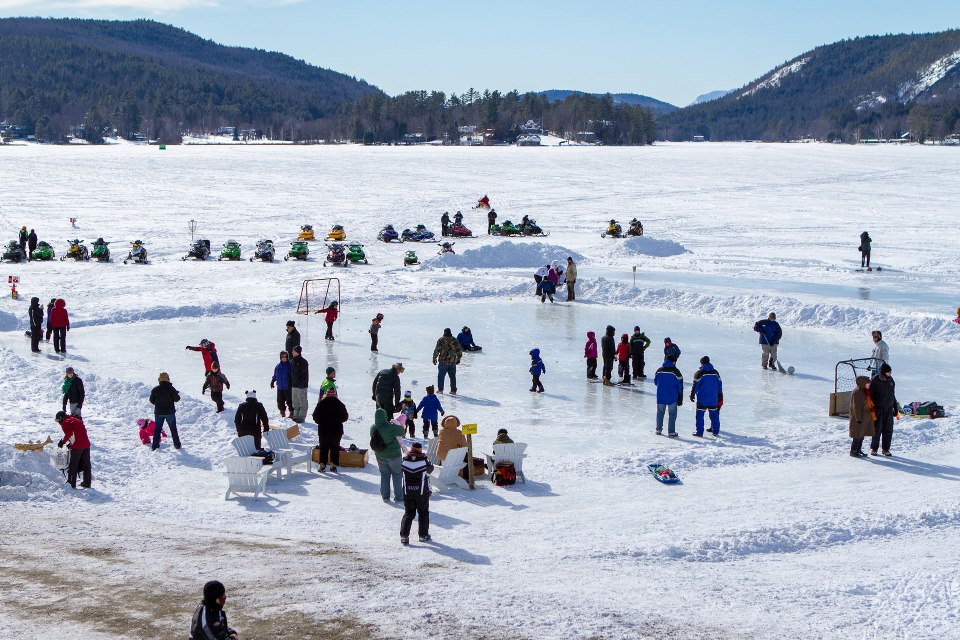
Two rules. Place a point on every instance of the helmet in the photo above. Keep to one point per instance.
(138, 242)
(204, 342)
(612, 221)
(99, 240)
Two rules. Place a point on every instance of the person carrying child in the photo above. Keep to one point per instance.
(623, 359)
(429, 408)
(537, 369)
(590, 353)
(215, 381)
(416, 494)
(408, 408)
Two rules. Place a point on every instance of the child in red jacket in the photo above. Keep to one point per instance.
(623, 359)
(75, 437)
(331, 316)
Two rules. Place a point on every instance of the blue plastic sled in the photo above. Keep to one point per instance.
(663, 474)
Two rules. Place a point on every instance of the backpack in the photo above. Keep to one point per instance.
(505, 474)
(376, 441)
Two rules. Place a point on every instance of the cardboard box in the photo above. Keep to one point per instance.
(358, 459)
(293, 432)
(840, 403)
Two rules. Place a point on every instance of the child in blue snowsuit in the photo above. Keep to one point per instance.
(429, 407)
(708, 391)
(537, 369)
(281, 380)
(409, 409)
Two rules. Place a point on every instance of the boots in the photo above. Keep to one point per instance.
(283, 412)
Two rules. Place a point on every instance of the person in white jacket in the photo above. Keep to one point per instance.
(538, 277)
(880, 354)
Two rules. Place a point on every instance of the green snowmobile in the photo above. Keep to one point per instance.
(101, 252)
(230, 251)
(410, 258)
(299, 250)
(14, 252)
(43, 252)
(356, 254)
(506, 228)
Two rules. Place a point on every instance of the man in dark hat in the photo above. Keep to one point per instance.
(209, 620)
(293, 337)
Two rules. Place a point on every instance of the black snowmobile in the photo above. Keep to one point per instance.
(199, 250)
(264, 251)
(336, 255)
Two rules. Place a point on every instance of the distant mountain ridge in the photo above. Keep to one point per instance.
(711, 95)
(874, 86)
(632, 99)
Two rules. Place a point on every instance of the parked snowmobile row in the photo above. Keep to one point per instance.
(75, 251)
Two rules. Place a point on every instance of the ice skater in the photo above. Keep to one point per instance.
(880, 353)
(208, 350)
(374, 331)
(623, 359)
(590, 353)
(331, 313)
(537, 369)
(865, 243)
(770, 334)
(281, 382)
(639, 342)
(429, 407)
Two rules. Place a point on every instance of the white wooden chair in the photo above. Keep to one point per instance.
(508, 453)
(245, 449)
(279, 444)
(432, 451)
(245, 475)
(450, 472)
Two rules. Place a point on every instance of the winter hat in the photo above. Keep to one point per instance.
(668, 363)
(430, 389)
(70, 370)
(204, 342)
(291, 323)
(379, 316)
(141, 422)
(636, 328)
(34, 300)
(666, 341)
(284, 353)
(447, 332)
(380, 418)
(417, 446)
(60, 416)
(331, 370)
(705, 360)
(163, 377)
(885, 368)
(252, 394)
(624, 336)
(213, 591)
(298, 349)
(455, 419)
(214, 366)
(501, 432)
(407, 394)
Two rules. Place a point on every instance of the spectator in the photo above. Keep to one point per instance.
(881, 352)
(446, 355)
(770, 334)
(251, 419)
(465, 338)
(882, 391)
(374, 331)
(503, 437)
(35, 316)
(73, 392)
(50, 304)
(60, 322)
(331, 313)
(299, 381)
(450, 437)
(671, 351)
(208, 350)
(669, 382)
(491, 220)
(416, 494)
(571, 279)
(330, 414)
(445, 224)
(215, 380)
(608, 350)
(638, 345)
(386, 389)
(861, 424)
(865, 244)
(329, 382)
(590, 353)
(23, 237)
(428, 408)
(293, 337)
(75, 437)
(623, 359)
(389, 458)
(539, 276)
(164, 398)
(281, 381)
(209, 620)
(708, 392)
(31, 244)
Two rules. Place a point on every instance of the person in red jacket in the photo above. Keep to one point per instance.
(60, 323)
(209, 352)
(331, 316)
(75, 437)
(623, 359)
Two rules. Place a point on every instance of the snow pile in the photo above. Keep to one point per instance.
(506, 255)
(647, 246)
(774, 79)
(28, 475)
(929, 77)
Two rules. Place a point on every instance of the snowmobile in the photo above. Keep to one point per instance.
(336, 255)
(13, 252)
(483, 204)
(614, 230)
(138, 253)
(355, 253)
(635, 228)
(506, 228)
(445, 247)
(530, 228)
(230, 251)
(299, 250)
(306, 233)
(420, 234)
(410, 258)
(101, 252)
(200, 250)
(264, 251)
(43, 252)
(388, 234)
(76, 251)
(457, 230)
(337, 233)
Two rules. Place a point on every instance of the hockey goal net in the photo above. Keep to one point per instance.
(317, 294)
(845, 376)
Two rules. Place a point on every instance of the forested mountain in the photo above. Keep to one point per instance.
(710, 95)
(869, 87)
(632, 99)
(145, 77)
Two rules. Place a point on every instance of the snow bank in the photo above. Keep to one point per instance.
(647, 246)
(505, 255)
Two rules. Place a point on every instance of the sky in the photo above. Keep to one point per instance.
(672, 51)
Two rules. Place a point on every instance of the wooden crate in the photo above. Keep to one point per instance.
(358, 459)
(293, 432)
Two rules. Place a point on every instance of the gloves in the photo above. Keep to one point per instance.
(691, 397)
(266, 428)
(679, 402)
(203, 391)
(60, 444)
(374, 398)
(188, 347)
(272, 384)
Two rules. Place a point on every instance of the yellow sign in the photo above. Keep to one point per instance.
(469, 429)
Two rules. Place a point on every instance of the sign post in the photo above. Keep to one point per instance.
(470, 430)
(73, 223)
(13, 281)
(192, 225)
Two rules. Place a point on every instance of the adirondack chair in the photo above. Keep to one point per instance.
(277, 439)
(245, 475)
(450, 472)
(508, 453)
(245, 449)
(432, 451)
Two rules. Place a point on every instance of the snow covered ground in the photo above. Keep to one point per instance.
(774, 531)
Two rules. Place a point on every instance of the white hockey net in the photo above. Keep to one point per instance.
(317, 294)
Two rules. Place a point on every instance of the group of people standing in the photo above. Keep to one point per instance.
(549, 276)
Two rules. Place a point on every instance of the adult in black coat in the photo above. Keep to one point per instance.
(251, 418)
(386, 389)
(330, 414)
(883, 393)
(32, 241)
(35, 315)
(164, 399)
(293, 337)
(608, 349)
(73, 392)
(299, 381)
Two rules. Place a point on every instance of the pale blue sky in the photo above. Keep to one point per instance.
(672, 51)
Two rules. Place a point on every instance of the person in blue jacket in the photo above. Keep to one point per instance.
(708, 392)
(465, 338)
(770, 334)
(537, 369)
(670, 350)
(428, 409)
(669, 382)
(281, 380)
